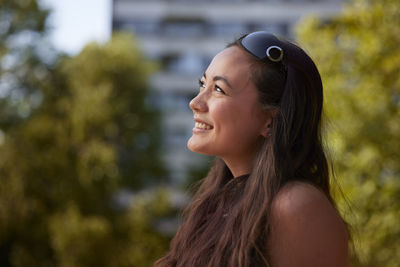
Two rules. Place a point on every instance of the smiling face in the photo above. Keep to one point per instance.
(229, 119)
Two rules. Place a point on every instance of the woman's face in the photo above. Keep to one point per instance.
(229, 119)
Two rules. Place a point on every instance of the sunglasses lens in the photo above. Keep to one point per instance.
(263, 45)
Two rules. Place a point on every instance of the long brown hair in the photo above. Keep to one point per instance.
(219, 230)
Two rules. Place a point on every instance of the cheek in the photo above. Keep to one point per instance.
(234, 121)
(223, 116)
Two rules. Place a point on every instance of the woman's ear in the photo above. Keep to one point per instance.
(266, 128)
(269, 118)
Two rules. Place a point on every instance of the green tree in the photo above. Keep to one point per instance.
(358, 54)
(107, 100)
(73, 133)
(61, 167)
(24, 55)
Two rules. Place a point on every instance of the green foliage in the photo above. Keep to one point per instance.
(23, 53)
(144, 247)
(62, 166)
(107, 101)
(129, 240)
(74, 132)
(358, 54)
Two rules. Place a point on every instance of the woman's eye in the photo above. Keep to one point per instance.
(201, 84)
(218, 89)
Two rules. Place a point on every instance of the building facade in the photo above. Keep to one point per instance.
(184, 35)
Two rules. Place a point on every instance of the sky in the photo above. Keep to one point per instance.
(74, 23)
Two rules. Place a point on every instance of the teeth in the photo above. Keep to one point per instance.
(202, 126)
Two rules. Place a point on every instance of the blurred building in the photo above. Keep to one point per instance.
(184, 35)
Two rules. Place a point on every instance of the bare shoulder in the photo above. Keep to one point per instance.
(306, 230)
(297, 198)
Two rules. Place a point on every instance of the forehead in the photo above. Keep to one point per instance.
(232, 63)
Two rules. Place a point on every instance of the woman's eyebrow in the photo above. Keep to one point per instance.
(218, 78)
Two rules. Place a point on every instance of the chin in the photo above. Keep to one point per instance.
(193, 147)
(198, 148)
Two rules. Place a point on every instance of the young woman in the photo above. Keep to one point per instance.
(266, 201)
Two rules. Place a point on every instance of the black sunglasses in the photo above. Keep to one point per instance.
(263, 45)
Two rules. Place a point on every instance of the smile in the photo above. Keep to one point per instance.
(203, 126)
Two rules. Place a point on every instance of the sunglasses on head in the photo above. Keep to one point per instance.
(263, 45)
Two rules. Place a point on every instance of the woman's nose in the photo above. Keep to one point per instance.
(198, 104)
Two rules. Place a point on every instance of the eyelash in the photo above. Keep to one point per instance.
(217, 88)
(201, 84)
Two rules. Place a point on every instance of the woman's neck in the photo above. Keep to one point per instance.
(239, 168)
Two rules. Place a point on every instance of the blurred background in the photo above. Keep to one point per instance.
(94, 119)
